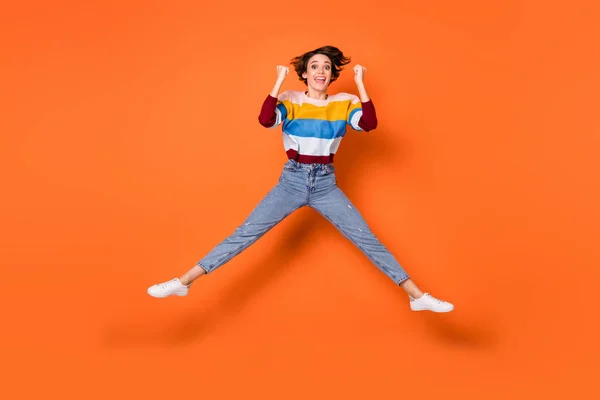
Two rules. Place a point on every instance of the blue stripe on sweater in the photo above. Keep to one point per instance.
(315, 128)
(282, 110)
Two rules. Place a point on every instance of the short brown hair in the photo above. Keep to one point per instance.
(338, 60)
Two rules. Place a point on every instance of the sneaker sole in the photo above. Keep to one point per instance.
(166, 295)
(432, 310)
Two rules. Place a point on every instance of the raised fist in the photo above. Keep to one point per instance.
(282, 71)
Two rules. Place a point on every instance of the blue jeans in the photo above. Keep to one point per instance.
(300, 185)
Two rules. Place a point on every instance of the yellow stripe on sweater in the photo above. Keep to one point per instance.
(334, 111)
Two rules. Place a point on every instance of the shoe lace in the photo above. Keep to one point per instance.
(436, 299)
(165, 285)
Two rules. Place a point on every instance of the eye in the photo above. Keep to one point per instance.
(327, 67)
(313, 66)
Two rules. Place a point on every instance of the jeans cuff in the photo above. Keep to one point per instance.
(204, 268)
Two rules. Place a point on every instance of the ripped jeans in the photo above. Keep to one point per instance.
(300, 185)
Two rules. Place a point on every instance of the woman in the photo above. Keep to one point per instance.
(313, 124)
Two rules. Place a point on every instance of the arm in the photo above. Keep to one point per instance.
(268, 116)
(368, 120)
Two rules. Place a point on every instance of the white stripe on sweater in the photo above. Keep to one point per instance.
(311, 146)
(354, 120)
(277, 118)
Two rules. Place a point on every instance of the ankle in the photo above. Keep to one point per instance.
(411, 289)
(416, 295)
(184, 280)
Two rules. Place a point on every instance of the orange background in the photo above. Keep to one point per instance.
(131, 147)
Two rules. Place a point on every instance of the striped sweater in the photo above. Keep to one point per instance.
(313, 129)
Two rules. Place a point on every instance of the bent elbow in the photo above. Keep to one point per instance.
(267, 123)
(368, 127)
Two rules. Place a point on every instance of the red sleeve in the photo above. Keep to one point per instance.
(368, 120)
(267, 115)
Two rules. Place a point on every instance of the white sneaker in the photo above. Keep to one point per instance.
(172, 287)
(430, 303)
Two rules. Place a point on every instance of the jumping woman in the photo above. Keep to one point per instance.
(313, 125)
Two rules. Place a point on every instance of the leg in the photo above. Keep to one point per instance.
(337, 208)
(274, 207)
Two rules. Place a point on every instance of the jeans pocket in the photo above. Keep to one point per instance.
(289, 166)
(328, 169)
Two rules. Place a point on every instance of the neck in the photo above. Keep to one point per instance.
(316, 94)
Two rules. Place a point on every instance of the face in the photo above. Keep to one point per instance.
(318, 72)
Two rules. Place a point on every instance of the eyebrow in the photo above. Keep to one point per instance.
(318, 61)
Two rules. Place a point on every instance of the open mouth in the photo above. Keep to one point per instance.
(321, 80)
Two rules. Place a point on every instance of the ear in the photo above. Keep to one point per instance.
(304, 75)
